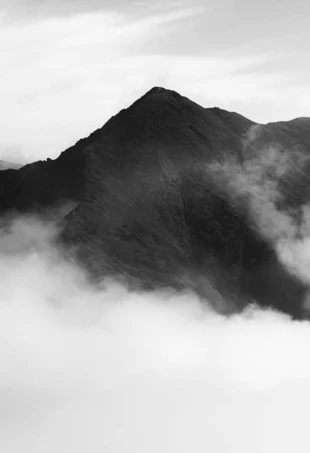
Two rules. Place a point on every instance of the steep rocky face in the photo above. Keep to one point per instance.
(160, 203)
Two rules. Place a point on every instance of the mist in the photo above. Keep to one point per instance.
(104, 369)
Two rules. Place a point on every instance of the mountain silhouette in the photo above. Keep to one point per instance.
(170, 195)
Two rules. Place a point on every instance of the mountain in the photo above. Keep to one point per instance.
(168, 194)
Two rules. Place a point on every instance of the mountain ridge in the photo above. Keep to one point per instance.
(150, 207)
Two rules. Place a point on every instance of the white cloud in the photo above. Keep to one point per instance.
(86, 370)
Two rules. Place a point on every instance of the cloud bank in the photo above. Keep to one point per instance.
(85, 369)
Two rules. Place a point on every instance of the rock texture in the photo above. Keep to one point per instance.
(168, 194)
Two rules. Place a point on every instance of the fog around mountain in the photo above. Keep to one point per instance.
(150, 277)
(107, 369)
(168, 194)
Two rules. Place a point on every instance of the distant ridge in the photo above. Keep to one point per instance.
(4, 165)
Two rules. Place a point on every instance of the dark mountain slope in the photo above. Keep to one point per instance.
(43, 184)
(160, 122)
(150, 209)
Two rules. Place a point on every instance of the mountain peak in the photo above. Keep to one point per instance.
(160, 94)
(160, 91)
(151, 207)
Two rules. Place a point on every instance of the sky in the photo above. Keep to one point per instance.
(67, 66)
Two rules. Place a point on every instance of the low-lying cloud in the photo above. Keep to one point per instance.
(256, 183)
(102, 369)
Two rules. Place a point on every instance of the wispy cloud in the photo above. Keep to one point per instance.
(33, 10)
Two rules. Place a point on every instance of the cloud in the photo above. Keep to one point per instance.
(64, 77)
(93, 369)
(255, 183)
(251, 135)
(38, 9)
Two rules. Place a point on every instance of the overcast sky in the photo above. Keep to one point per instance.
(68, 65)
